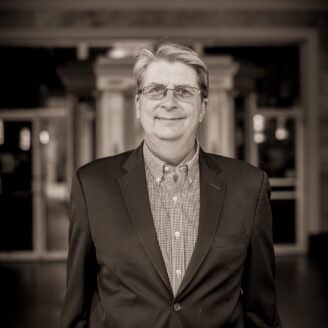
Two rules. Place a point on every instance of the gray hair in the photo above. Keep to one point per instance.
(171, 53)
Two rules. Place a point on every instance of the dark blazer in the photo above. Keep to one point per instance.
(116, 276)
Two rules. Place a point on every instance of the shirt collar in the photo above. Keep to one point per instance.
(156, 166)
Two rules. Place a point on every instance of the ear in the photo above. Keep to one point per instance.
(137, 104)
(203, 109)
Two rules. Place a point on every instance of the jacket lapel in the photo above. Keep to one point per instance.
(135, 193)
(212, 191)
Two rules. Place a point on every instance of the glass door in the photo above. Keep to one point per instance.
(276, 145)
(36, 163)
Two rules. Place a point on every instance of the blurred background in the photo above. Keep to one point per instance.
(67, 97)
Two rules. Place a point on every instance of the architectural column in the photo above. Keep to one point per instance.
(114, 77)
(218, 128)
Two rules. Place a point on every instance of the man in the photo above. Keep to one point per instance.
(167, 235)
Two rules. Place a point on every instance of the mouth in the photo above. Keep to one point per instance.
(170, 118)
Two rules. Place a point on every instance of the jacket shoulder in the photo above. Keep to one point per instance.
(237, 170)
(112, 165)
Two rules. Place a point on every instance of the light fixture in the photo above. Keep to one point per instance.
(281, 132)
(258, 122)
(44, 137)
(259, 137)
(25, 139)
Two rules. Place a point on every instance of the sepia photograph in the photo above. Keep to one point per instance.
(163, 164)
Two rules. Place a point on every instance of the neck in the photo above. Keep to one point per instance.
(172, 153)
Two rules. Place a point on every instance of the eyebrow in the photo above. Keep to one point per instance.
(156, 84)
(176, 86)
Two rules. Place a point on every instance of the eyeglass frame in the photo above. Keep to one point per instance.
(165, 89)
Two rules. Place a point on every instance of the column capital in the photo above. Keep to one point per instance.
(221, 72)
(114, 74)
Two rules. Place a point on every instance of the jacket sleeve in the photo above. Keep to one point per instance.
(81, 263)
(258, 283)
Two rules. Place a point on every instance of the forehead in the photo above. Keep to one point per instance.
(170, 74)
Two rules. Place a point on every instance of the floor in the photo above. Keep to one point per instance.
(31, 293)
(302, 292)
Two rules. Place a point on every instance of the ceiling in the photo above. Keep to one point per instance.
(170, 4)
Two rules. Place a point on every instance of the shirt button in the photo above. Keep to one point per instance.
(177, 234)
(175, 198)
(178, 272)
(158, 179)
(177, 307)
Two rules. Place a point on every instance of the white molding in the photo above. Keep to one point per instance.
(291, 112)
(289, 249)
(309, 69)
(283, 195)
(106, 36)
(38, 222)
(283, 182)
(32, 113)
(128, 5)
(21, 256)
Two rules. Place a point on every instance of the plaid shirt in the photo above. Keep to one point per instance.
(174, 195)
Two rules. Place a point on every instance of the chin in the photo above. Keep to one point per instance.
(168, 136)
(167, 133)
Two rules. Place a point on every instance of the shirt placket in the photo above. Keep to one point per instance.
(177, 237)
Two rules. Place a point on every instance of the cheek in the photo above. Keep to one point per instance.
(146, 118)
(195, 114)
(146, 114)
(146, 109)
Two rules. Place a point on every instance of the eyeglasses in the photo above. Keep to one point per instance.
(159, 92)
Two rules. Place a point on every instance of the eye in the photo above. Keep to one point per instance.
(155, 89)
(183, 92)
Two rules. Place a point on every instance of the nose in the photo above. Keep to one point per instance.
(169, 102)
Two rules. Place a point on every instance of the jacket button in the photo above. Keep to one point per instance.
(177, 307)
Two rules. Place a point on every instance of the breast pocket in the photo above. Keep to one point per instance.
(229, 251)
(232, 240)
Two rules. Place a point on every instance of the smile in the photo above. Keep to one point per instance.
(169, 118)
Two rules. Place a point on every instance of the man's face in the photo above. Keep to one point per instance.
(170, 119)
